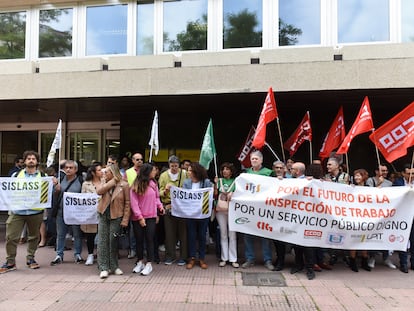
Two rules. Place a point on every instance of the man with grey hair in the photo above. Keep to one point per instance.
(69, 183)
(175, 227)
(279, 168)
(256, 160)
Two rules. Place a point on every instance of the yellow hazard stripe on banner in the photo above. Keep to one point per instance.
(205, 207)
(44, 191)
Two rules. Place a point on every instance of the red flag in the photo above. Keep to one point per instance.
(269, 113)
(363, 123)
(335, 135)
(302, 133)
(395, 136)
(244, 154)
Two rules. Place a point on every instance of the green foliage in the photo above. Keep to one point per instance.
(240, 32)
(194, 38)
(12, 35)
(288, 33)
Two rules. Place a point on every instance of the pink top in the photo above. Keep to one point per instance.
(145, 206)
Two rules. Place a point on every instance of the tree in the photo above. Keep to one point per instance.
(288, 33)
(240, 31)
(12, 35)
(193, 38)
(51, 41)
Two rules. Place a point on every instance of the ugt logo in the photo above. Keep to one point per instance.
(252, 187)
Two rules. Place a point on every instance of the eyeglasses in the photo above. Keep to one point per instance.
(139, 159)
(278, 167)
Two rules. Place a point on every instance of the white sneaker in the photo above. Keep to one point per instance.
(138, 268)
(132, 254)
(222, 263)
(389, 263)
(89, 260)
(147, 270)
(104, 274)
(371, 262)
(161, 248)
(118, 271)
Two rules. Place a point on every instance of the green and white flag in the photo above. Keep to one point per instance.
(208, 149)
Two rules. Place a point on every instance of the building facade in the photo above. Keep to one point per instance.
(104, 67)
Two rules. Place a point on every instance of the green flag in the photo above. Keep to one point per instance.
(208, 149)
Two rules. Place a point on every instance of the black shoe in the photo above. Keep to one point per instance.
(295, 269)
(365, 264)
(404, 269)
(279, 267)
(353, 264)
(333, 259)
(310, 273)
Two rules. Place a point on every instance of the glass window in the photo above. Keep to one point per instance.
(185, 25)
(407, 21)
(12, 35)
(84, 147)
(363, 21)
(145, 27)
(55, 32)
(299, 22)
(242, 23)
(106, 29)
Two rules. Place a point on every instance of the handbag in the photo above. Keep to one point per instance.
(223, 198)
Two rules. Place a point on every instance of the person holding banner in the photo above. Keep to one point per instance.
(93, 181)
(407, 179)
(175, 227)
(19, 218)
(145, 201)
(360, 179)
(197, 228)
(71, 182)
(113, 212)
(223, 188)
(256, 160)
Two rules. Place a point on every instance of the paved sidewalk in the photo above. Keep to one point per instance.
(78, 287)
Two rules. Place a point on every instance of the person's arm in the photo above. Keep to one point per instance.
(127, 207)
(106, 187)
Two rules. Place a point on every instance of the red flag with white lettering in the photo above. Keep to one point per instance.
(302, 133)
(335, 135)
(269, 113)
(363, 123)
(247, 148)
(395, 136)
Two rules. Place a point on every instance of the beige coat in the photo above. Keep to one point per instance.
(119, 200)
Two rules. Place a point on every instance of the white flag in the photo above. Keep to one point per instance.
(57, 143)
(153, 142)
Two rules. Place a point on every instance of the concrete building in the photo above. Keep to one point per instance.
(104, 67)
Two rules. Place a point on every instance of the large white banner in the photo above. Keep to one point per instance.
(321, 213)
(25, 193)
(80, 208)
(188, 203)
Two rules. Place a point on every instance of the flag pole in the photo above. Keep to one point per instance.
(274, 153)
(347, 162)
(280, 139)
(150, 155)
(310, 151)
(411, 174)
(215, 165)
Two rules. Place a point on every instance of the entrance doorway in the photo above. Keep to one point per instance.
(14, 144)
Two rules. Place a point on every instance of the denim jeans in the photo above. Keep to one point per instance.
(197, 229)
(62, 230)
(249, 248)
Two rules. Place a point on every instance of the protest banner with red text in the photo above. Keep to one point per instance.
(322, 214)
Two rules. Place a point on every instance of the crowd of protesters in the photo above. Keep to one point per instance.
(135, 206)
